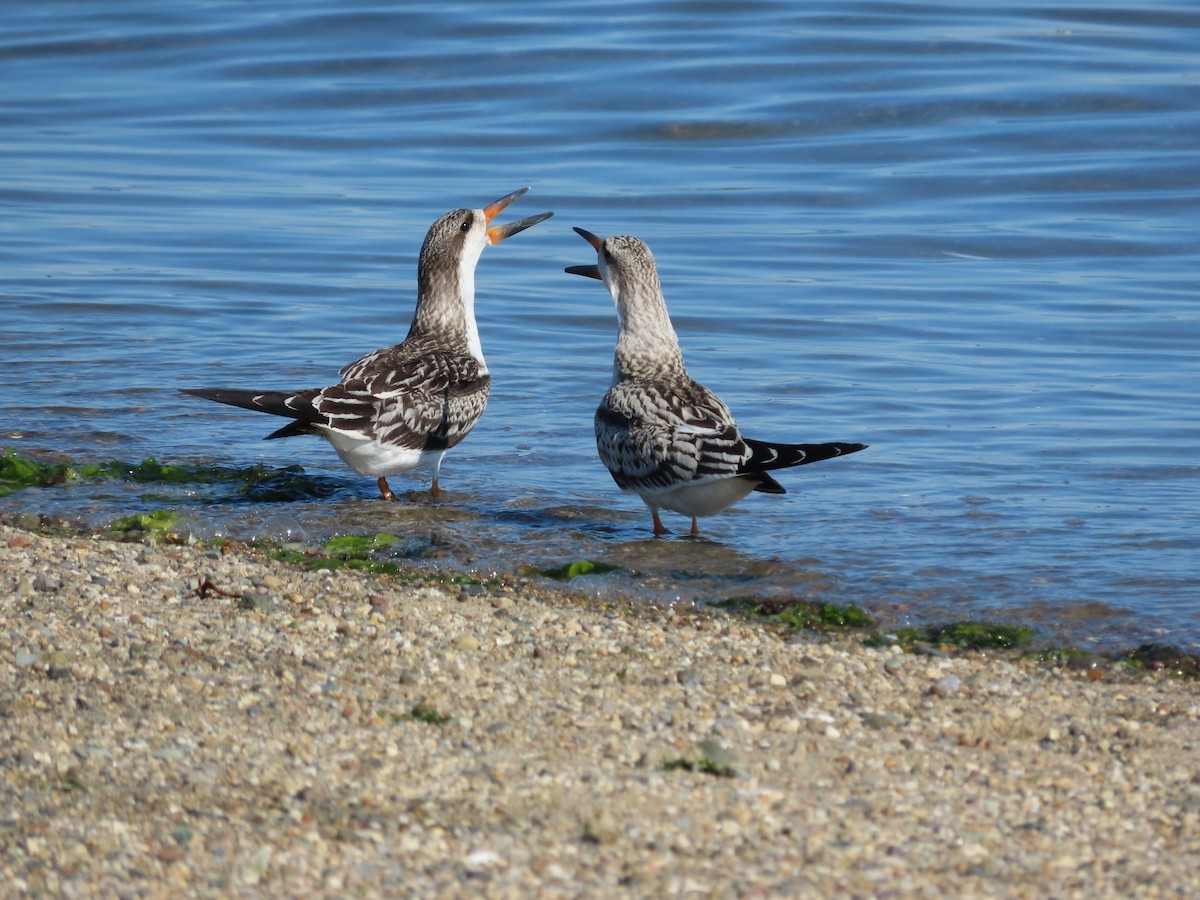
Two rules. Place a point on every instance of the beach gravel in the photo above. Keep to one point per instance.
(187, 721)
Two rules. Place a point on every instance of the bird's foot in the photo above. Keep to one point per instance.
(659, 528)
(695, 527)
(434, 491)
(385, 490)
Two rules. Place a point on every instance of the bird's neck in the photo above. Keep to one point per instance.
(446, 310)
(647, 345)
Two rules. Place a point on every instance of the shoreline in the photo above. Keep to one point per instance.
(175, 718)
(1115, 634)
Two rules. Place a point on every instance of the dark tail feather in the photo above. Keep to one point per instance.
(767, 484)
(293, 405)
(291, 429)
(768, 456)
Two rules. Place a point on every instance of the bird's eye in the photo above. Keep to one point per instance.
(465, 226)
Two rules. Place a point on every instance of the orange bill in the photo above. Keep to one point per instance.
(497, 233)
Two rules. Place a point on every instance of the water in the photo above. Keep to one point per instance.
(964, 235)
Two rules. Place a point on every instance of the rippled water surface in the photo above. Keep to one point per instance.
(964, 234)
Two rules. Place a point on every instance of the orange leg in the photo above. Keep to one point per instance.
(434, 490)
(659, 528)
(695, 526)
(384, 490)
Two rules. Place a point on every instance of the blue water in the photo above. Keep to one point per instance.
(965, 234)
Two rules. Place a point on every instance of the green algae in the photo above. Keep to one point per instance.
(158, 523)
(367, 553)
(1155, 657)
(422, 712)
(570, 570)
(357, 546)
(810, 615)
(312, 560)
(254, 483)
(708, 757)
(968, 635)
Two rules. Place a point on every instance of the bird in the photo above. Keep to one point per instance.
(404, 406)
(661, 434)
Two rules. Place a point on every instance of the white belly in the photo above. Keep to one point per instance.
(703, 499)
(369, 457)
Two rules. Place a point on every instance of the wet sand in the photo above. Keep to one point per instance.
(176, 720)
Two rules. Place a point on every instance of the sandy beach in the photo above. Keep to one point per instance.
(179, 721)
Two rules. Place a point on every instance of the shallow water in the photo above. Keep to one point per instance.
(967, 237)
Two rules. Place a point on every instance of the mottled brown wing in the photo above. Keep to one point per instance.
(660, 433)
(409, 396)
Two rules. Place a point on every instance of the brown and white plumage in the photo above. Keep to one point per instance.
(404, 406)
(661, 434)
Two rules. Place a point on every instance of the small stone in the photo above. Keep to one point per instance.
(46, 584)
(893, 664)
(925, 649)
(467, 642)
(257, 602)
(478, 861)
(713, 751)
(24, 658)
(169, 854)
(777, 680)
(879, 721)
(599, 830)
(688, 677)
(947, 687)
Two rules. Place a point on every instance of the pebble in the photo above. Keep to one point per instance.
(478, 861)
(201, 746)
(947, 687)
(875, 720)
(257, 602)
(716, 753)
(467, 642)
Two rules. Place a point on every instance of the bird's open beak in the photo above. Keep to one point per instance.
(497, 233)
(587, 271)
(590, 238)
